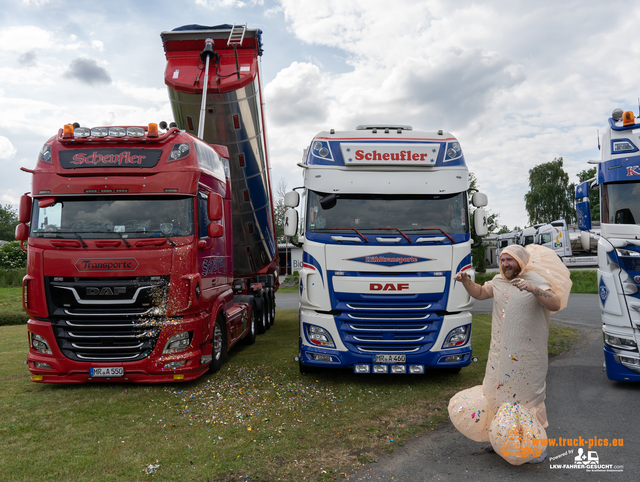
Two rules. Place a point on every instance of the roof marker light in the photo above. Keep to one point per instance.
(99, 132)
(67, 131)
(628, 119)
(153, 130)
(81, 132)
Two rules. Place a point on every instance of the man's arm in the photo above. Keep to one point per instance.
(547, 298)
(474, 289)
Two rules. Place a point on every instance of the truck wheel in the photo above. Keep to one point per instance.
(266, 310)
(250, 337)
(260, 324)
(272, 305)
(307, 370)
(219, 348)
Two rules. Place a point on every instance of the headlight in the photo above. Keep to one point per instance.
(177, 343)
(39, 344)
(457, 337)
(619, 342)
(627, 253)
(45, 153)
(319, 336)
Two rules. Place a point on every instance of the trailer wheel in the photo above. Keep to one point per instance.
(250, 338)
(266, 310)
(260, 311)
(272, 306)
(219, 348)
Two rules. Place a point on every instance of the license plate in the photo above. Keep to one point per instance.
(390, 358)
(107, 372)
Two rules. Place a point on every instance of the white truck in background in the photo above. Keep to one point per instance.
(569, 244)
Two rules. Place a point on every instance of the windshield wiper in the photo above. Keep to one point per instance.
(123, 239)
(394, 229)
(435, 229)
(349, 229)
(84, 245)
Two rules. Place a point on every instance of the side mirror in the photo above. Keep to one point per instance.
(290, 222)
(583, 190)
(214, 207)
(22, 232)
(46, 202)
(215, 230)
(480, 221)
(24, 211)
(585, 241)
(291, 199)
(583, 213)
(479, 200)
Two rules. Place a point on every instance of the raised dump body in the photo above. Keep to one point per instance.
(233, 117)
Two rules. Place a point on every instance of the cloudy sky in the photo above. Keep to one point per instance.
(519, 83)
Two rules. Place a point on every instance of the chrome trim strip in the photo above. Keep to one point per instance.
(409, 318)
(115, 359)
(70, 313)
(413, 340)
(408, 330)
(79, 347)
(390, 308)
(387, 350)
(103, 302)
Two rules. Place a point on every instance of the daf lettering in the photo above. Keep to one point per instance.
(388, 287)
(106, 291)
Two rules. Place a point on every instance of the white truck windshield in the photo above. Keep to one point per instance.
(369, 213)
(621, 203)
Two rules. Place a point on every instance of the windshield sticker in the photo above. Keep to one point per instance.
(389, 259)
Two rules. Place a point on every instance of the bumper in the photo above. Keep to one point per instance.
(197, 358)
(617, 369)
(342, 357)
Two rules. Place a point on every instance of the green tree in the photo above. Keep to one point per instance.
(594, 196)
(8, 222)
(279, 209)
(551, 195)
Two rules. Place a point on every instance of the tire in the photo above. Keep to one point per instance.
(219, 348)
(250, 338)
(272, 306)
(260, 325)
(307, 370)
(266, 310)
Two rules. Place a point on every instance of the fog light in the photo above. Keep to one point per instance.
(398, 369)
(178, 377)
(454, 358)
(416, 369)
(380, 368)
(361, 369)
(42, 365)
(205, 359)
(37, 378)
(321, 357)
(175, 364)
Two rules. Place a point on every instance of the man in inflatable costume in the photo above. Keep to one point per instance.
(508, 408)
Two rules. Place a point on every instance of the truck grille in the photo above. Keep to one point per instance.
(107, 319)
(392, 328)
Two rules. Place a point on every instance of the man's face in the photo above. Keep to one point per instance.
(510, 266)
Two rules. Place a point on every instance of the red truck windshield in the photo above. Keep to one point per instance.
(93, 217)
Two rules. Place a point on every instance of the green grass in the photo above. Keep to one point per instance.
(11, 312)
(257, 418)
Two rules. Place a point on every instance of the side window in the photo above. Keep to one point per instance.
(203, 219)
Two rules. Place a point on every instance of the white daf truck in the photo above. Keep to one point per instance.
(386, 228)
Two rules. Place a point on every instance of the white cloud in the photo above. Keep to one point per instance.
(229, 3)
(97, 45)
(7, 151)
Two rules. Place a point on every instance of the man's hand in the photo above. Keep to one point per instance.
(474, 289)
(547, 298)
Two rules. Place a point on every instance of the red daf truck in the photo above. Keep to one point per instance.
(151, 250)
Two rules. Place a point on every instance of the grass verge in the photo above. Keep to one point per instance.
(257, 419)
